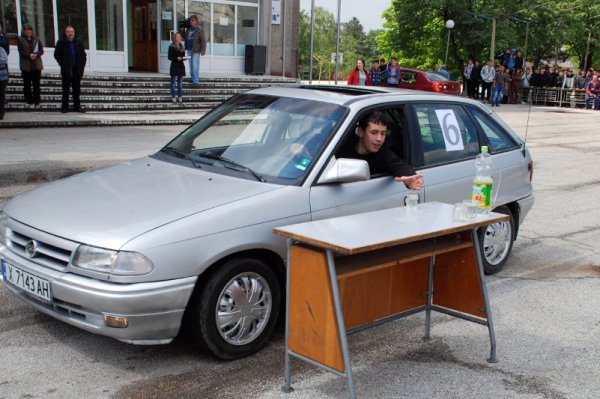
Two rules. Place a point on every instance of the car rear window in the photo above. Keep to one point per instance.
(498, 139)
(436, 77)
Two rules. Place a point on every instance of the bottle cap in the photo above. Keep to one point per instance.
(484, 148)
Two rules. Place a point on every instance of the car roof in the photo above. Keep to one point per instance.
(345, 95)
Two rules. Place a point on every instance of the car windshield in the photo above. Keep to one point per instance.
(436, 77)
(265, 138)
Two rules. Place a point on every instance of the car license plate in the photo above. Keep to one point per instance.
(26, 281)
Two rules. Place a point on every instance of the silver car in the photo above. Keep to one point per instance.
(181, 240)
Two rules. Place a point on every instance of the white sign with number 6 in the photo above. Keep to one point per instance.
(450, 129)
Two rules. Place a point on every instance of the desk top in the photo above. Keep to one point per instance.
(365, 232)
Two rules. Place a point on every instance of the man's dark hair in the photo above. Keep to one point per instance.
(376, 117)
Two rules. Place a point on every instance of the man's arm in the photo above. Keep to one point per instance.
(403, 172)
(58, 53)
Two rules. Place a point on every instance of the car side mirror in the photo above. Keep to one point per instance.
(345, 170)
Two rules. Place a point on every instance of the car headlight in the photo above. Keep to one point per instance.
(114, 262)
(3, 221)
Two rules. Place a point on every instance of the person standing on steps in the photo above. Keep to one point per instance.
(177, 71)
(195, 44)
(4, 40)
(3, 79)
(71, 57)
(31, 50)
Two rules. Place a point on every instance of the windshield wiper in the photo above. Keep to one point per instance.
(228, 163)
(174, 151)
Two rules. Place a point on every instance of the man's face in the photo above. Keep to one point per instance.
(193, 22)
(489, 63)
(70, 33)
(371, 138)
(393, 61)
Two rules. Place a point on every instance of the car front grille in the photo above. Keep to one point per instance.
(40, 247)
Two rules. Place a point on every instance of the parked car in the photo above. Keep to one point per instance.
(417, 79)
(182, 239)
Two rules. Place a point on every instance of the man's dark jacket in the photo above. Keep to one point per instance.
(63, 56)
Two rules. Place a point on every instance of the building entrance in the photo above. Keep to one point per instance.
(144, 31)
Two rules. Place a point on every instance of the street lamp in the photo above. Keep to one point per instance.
(449, 26)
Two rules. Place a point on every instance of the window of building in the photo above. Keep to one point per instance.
(223, 29)
(247, 28)
(172, 20)
(74, 13)
(8, 16)
(40, 16)
(202, 10)
(109, 25)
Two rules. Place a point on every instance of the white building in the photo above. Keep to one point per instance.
(134, 35)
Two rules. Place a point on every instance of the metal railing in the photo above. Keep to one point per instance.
(558, 97)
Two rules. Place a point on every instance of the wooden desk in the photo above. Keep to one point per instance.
(349, 273)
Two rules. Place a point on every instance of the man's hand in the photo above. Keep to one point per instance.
(414, 182)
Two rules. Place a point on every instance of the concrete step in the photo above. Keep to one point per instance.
(94, 99)
(162, 90)
(124, 107)
(133, 93)
(151, 84)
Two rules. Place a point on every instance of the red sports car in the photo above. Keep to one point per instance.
(417, 79)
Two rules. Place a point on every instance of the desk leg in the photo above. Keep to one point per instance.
(340, 321)
(287, 388)
(427, 336)
(488, 311)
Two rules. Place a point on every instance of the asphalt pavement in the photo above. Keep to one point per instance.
(544, 303)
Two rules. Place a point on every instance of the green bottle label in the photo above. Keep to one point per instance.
(482, 192)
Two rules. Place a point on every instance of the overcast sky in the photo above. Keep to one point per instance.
(368, 12)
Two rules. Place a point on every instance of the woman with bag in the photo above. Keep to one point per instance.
(177, 56)
(3, 79)
(31, 50)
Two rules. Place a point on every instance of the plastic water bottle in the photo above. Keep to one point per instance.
(482, 184)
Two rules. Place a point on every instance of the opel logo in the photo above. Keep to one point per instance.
(31, 248)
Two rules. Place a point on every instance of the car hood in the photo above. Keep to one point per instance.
(108, 207)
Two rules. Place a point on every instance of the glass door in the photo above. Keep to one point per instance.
(172, 18)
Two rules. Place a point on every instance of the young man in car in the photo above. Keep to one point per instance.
(369, 146)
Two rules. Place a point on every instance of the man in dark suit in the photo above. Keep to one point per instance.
(71, 57)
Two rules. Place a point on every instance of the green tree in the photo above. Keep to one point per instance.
(323, 42)
(417, 34)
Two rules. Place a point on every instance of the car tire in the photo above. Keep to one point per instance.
(496, 241)
(237, 309)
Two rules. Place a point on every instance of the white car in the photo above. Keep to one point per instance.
(182, 239)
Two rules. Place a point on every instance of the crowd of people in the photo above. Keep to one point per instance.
(511, 81)
(380, 74)
(507, 81)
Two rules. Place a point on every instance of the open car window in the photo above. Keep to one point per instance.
(267, 138)
(397, 135)
(447, 133)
